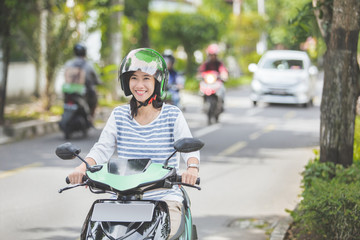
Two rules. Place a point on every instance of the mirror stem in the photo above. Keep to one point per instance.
(167, 160)
(88, 167)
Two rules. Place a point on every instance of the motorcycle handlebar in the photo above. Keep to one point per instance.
(178, 179)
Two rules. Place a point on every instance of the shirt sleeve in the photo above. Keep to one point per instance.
(182, 130)
(105, 147)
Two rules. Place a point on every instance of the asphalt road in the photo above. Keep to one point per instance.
(250, 173)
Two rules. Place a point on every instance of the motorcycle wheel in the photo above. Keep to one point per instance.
(212, 109)
(67, 135)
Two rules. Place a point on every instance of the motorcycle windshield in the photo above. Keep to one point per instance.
(129, 174)
(126, 167)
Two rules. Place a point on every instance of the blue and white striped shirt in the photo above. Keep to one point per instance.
(131, 140)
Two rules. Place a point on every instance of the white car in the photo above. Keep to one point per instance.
(283, 76)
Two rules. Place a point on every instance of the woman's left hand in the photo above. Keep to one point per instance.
(190, 176)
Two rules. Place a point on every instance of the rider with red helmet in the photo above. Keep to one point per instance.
(213, 63)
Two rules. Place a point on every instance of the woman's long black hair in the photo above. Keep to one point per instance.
(156, 103)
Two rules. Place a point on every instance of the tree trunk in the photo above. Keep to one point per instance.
(4, 56)
(341, 84)
(144, 39)
(190, 62)
(41, 66)
(4, 63)
(116, 45)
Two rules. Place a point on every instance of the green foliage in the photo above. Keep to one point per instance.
(218, 11)
(108, 75)
(137, 12)
(190, 30)
(106, 24)
(357, 139)
(330, 208)
(235, 82)
(192, 84)
(243, 34)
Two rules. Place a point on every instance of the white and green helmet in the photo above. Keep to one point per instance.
(146, 60)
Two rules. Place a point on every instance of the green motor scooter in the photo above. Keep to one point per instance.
(128, 216)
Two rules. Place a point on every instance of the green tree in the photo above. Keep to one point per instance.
(192, 31)
(61, 35)
(244, 32)
(137, 12)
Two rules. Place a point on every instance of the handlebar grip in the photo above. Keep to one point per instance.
(179, 179)
(67, 180)
(197, 181)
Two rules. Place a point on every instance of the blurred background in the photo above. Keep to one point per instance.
(40, 37)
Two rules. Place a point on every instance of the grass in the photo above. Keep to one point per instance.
(15, 113)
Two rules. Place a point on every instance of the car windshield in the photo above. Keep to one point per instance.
(283, 64)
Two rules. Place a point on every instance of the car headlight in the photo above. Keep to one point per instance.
(302, 86)
(256, 85)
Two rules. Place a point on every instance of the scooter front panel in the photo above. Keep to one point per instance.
(158, 227)
(132, 212)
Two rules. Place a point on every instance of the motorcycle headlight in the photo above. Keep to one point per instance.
(210, 78)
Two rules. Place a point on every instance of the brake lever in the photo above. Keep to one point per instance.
(73, 186)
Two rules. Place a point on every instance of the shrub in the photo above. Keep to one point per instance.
(330, 208)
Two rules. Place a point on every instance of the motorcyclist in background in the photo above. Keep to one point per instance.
(214, 64)
(176, 80)
(77, 65)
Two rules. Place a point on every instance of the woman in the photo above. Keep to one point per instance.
(145, 128)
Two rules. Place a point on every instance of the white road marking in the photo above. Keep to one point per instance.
(207, 130)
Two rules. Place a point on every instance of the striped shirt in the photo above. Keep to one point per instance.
(131, 140)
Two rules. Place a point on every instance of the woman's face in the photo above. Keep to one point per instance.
(142, 85)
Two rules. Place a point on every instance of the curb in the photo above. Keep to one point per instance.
(28, 129)
(281, 228)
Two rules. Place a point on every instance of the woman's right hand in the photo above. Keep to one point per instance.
(77, 175)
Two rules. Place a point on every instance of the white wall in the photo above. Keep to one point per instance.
(20, 80)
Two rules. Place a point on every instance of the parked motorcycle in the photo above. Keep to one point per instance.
(76, 116)
(211, 88)
(128, 216)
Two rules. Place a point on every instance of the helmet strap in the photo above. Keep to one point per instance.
(148, 101)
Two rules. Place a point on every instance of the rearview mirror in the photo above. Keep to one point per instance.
(67, 151)
(187, 145)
